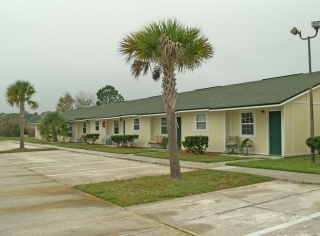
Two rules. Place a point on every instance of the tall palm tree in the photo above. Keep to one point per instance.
(163, 48)
(18, 94)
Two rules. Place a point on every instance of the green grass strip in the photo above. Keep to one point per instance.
(157, 188)
(300, 164)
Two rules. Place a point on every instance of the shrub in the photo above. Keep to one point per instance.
(91, 137)
(164, 142)
(246, 143)
(53, 124)
(195, 144)
(124, 140)
(314, 143)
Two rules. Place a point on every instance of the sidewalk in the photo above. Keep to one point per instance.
(280, 175)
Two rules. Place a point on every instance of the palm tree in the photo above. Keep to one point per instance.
(18, 94)
(163, 48)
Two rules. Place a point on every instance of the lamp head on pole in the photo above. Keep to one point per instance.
(294, 31)
(315, 24)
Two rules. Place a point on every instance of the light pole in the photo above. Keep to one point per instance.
(295, 31)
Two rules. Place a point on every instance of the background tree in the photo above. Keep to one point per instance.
(84, 99)
(65, 103)
(9, 127)
(53, 125)
(18, 94)
(108, 94)
(165, 48)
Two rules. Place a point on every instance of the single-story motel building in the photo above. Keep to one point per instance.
(274, 113)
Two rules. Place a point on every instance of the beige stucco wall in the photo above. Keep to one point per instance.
(316, 111)
(188, 123)
(260, 139)
(155, 126)
(297, 123)
(144, 132)
(260, 142)
(288, 128)
(300, 130)
(296, 127)
(145, 124)
(129, 129)
(217, 124)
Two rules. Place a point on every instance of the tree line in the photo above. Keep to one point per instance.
(105, 95)
(10, 127)
(51, 124)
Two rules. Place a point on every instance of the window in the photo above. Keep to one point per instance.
(116, 127)
(84, 127)
(136, 124)
(164, 126)
(97, 125)
(247, 124)
(201, 121)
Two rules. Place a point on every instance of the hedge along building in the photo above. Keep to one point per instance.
(273, 113)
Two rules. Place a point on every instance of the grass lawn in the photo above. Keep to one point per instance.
(294, 164)
(164, 154)
(27, 150)
(156, 188)
(196, 158)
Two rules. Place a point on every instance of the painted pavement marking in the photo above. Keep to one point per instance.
(285, 225)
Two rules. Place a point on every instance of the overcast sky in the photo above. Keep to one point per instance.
(65, 45)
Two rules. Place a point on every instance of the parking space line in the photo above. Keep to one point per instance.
(88, 163)
(285, 225)
(83, 172)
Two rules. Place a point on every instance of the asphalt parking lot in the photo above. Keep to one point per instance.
(36, 199)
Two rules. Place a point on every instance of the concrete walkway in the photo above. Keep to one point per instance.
(280, 175)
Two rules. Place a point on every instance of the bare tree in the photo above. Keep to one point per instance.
(84, 99)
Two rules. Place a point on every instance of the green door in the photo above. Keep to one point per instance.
(275, 132)
(179, 132)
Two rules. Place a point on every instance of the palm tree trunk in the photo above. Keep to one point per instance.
(21, 124)
(173, 146)
(169, 96)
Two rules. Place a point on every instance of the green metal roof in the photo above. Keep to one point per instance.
(273, 91)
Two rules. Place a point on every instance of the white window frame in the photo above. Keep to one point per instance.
(254, 123)
(136, 127)
(114, 126)
(163, 125)
(84, 127)
(97, 125)
(196, 121)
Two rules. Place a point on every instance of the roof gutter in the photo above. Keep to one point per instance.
(244, 108)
